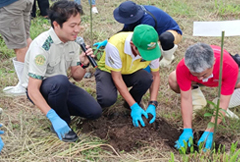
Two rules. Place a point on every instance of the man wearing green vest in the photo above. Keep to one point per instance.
(121, 66)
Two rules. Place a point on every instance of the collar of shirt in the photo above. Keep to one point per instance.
(206, 79)
(127, 48)
(54, 37)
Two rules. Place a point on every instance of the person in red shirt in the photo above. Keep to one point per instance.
(201, 66)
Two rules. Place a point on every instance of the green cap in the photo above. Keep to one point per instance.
(145, 38)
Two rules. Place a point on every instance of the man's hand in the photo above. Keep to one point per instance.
(59, 125)
(151, 110)
(1, 142)
(83, 58)
(185, 136)
(206, 138)
(136, 115)
(100, 44)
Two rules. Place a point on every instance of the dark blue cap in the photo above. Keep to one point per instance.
(128, 12)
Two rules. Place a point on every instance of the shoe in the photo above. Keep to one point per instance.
(168, 56)
(94, 10)
(71, 136)
(229, 113)
(198, 100)
(18, 89)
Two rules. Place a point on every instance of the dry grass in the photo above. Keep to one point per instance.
(27, 136)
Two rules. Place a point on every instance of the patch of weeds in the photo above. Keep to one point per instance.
(92, 154)
(97, 52)
(224, 9)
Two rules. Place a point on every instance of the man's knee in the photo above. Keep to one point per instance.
(147, 81)
(60, 82)
(97, 113)
(107, 101)
(172, 81)
(166, 40)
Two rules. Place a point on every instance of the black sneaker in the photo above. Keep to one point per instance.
(71, 136)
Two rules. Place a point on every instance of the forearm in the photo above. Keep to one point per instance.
(123, 90)
(78, 73)
(186, 108)
(38, 100)
(154, 88)
(187, 115)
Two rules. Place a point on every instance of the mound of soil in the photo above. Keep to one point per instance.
(118, 130)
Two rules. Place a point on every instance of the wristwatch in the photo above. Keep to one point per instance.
(84, 66)
(154, 103)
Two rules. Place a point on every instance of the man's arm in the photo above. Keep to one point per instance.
(60, 126)
(77, 71)
(186, 108)
(155, 86)
(122, 88)
(224, 101)
(36, 96)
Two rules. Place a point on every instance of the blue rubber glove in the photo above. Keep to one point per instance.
(136, 115)
(100, 44)
(151, 110)
(206, 138)
(1, 142)
(59, 125)
(185, 136)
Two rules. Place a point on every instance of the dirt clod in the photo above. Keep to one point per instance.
(118, 129)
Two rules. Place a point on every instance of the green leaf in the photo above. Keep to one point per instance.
(210, 125)
(10, 71)
(212, 103)
(208, 114)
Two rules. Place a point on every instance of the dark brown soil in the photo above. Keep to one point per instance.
(118, 130)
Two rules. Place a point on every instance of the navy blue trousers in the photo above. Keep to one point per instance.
(140, 82)
(68, 99)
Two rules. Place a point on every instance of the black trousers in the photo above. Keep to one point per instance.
(140, 82)
(68, 99)
(43, 6)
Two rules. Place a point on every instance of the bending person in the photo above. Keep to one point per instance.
(130, 14)
(121, 66)
(200, 66)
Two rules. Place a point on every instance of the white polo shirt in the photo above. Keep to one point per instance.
(118, 56)
(48, 56)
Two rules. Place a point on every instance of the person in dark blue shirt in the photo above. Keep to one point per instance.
(130, 14)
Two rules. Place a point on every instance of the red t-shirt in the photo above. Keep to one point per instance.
(229, 73)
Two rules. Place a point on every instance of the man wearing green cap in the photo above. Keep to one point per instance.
(121, 66)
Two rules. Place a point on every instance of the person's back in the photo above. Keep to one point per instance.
(4, 3)
(159, 19)
(131, 15)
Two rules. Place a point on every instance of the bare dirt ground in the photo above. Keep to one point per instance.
(119, 132)
(27, 136)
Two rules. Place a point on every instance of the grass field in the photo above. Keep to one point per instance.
(27, 135)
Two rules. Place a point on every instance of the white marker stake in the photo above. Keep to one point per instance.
(215, 28)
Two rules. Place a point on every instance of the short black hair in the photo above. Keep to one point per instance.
(62, 10)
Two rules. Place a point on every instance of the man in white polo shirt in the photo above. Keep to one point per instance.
(49, 57)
